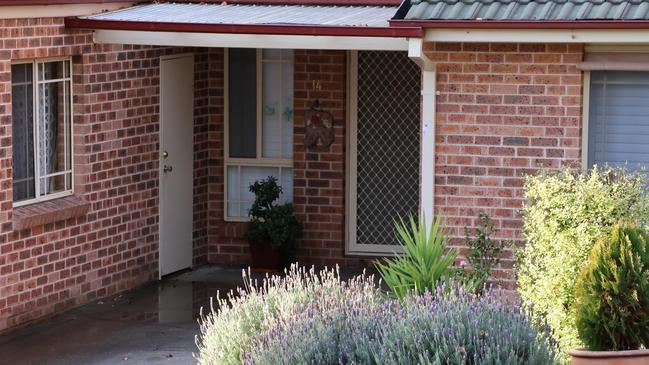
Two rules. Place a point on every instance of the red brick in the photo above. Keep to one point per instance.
(536, 83)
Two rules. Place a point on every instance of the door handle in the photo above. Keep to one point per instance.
(167, 168)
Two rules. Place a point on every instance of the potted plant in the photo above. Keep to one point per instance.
(612, 300)
(272, 230)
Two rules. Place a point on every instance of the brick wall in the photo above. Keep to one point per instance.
(40, 268)
(48, 268)
(226, 245)
(319, 184)
(203, 145)
(504, 110)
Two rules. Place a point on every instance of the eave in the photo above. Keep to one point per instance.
(268, 29)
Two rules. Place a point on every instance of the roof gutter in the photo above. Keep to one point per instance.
(63, 2)
(272, 29)
(520, 24)
(305, 2)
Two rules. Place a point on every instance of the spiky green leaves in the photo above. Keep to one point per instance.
(424, 262)
(612, 291)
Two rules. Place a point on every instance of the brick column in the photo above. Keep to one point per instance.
(319, 186)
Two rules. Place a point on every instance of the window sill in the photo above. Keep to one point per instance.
(50, 211)
(236, 220)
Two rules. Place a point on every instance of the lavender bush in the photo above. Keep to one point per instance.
(449, 326)
(228, 331)
(310, 318)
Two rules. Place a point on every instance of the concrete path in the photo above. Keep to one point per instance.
(156, 324)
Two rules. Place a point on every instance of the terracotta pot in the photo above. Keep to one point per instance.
(267, 258)
(630, 357)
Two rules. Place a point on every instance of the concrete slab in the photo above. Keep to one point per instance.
(156, 324)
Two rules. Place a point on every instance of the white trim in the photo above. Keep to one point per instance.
(219, 40)
(226, 130)
(427, 130)
(352, 153)
(43, 198)
(177, 55)
(69, 170)
(584, 120)
(62, 10)
(616, 48)
(416, 54)
(595, 36)
(259, 105)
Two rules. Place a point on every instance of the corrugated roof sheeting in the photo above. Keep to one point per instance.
(360, 16)
(528, 10)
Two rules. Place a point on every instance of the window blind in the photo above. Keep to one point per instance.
(618, 123)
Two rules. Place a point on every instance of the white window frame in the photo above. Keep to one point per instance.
(585, 112)
(259, 160)
(69, 149)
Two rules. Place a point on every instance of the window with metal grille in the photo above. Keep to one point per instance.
(384, 147)
(41, 130)
(259, 125)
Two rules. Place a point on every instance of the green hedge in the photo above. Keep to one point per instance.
(564, 214)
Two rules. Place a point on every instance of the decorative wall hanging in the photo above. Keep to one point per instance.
(319, 127)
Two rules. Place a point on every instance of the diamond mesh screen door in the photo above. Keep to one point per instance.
(383, 147)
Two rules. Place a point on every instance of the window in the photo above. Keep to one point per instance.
(259, 125)
(42, 126)
(618, 119)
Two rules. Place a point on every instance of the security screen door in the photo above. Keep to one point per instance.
(383, 160)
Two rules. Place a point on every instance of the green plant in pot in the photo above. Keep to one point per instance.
(272, 230)
(612, 299)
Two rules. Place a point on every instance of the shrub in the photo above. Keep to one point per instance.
(269, 222)
(423, 262)
(563, 215)
(483, 254)
(309, 318)
(447, 327)
(612, 292)
(227, 332)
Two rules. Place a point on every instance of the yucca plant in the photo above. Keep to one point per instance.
(424, 261)
(612, 291)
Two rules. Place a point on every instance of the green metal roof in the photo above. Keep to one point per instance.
(525, 10)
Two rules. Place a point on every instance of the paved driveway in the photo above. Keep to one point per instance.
(156, 324)
(153, 325)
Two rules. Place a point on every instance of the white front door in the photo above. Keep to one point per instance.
(176, 162)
